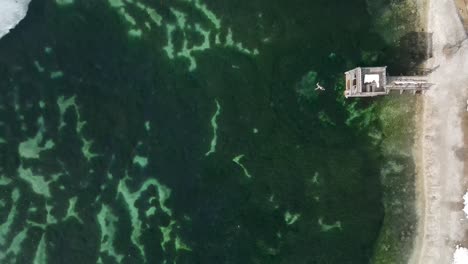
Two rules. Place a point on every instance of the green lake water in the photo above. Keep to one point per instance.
(164, 131)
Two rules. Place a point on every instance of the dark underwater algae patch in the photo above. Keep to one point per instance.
(210, 190)
(397, 117)
(390, 123)
(401, 24)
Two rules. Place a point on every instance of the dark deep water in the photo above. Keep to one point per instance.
(116, 147)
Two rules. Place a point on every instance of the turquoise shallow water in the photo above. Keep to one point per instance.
(186, 132)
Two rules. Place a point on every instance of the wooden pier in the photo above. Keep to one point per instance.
(373, 81)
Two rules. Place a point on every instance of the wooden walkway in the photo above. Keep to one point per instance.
(408, 83)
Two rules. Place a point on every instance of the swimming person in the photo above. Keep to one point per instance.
(319, 87)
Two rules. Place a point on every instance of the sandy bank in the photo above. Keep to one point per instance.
(441, 183)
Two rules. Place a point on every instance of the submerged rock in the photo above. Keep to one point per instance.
(306, 87)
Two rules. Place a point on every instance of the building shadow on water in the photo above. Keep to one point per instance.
(413, 49)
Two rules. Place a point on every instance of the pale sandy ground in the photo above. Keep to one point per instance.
(441, 183)
(11, 13)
